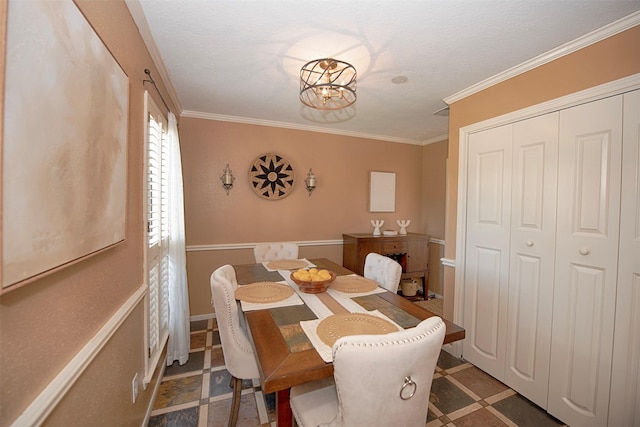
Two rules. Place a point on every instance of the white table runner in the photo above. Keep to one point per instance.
(265, 264)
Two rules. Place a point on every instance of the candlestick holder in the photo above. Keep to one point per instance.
(377, 223)
(403, 224)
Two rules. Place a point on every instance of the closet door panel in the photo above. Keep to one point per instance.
(590, 143)
(624, 408)
(487, 249)
(533, 220)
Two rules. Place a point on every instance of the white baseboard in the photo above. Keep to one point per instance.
(145, 422)
(453, 349)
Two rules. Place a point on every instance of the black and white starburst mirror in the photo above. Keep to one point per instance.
(271, 176)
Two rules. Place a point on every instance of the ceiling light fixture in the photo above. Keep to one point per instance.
(328, 84)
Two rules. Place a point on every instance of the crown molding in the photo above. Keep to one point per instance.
(435, 139)
(135, 9)
(295, 126)
(588, 39)
(613, 88)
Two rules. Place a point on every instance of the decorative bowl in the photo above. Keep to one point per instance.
(314, 287)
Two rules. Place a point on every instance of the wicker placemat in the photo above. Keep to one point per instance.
(287, 264)
(337, 326)
(353, 284)
(263, 292)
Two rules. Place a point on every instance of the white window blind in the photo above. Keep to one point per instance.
(157, 230)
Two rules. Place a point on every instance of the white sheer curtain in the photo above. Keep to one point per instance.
(179, 334)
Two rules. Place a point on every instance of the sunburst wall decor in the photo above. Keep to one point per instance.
(271, 176)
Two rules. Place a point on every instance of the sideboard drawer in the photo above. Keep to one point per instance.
(394, 247)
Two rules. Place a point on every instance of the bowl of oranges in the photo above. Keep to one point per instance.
(313, 280)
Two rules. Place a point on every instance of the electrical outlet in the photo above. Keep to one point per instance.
(134, 387)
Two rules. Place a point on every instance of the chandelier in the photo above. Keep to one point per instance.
(328, 84)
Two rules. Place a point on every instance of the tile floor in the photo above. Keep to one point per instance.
(198, 394)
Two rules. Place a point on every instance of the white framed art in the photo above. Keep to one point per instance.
(382, 192)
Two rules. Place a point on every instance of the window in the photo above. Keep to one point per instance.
(157, 235)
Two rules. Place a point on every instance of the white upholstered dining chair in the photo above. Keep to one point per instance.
(378, 380)
(384, 270)
(275, 251)
(239, 357)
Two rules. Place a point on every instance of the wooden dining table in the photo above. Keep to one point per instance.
(284, 355)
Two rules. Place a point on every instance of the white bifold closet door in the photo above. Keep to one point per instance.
(531, 267)
(487, 249)
(509, 258)
(588, 226)
(624, 407)
(552, 259)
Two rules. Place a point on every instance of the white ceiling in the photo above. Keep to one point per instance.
(240, 60)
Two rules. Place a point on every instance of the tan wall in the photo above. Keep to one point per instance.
(434, 178)
(436, 269)
(44, 324)
(338, 205)
(608, 60)
(434, 186)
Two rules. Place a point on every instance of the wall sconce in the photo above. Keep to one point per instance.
(310, 180)
(227, 179)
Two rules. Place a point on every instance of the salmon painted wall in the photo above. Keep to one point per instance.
(434, 176)
(44, 324)
(608, 60)
(434, 179)
(338, 205)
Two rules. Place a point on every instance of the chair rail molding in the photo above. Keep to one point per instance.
(231, 246)
(447, 262)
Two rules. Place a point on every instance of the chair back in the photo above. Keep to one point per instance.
(385, 380)
(383, 270)
(238, 353)
(275, 251)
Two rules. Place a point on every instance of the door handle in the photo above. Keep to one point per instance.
(584, 251)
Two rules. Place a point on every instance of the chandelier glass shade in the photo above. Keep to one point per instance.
(328, 84)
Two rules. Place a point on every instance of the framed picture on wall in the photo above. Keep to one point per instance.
(382, 192)
(64, 154)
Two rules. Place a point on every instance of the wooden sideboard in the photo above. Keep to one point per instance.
(410, 250)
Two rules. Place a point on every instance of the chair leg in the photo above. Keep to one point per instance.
(235, 402)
